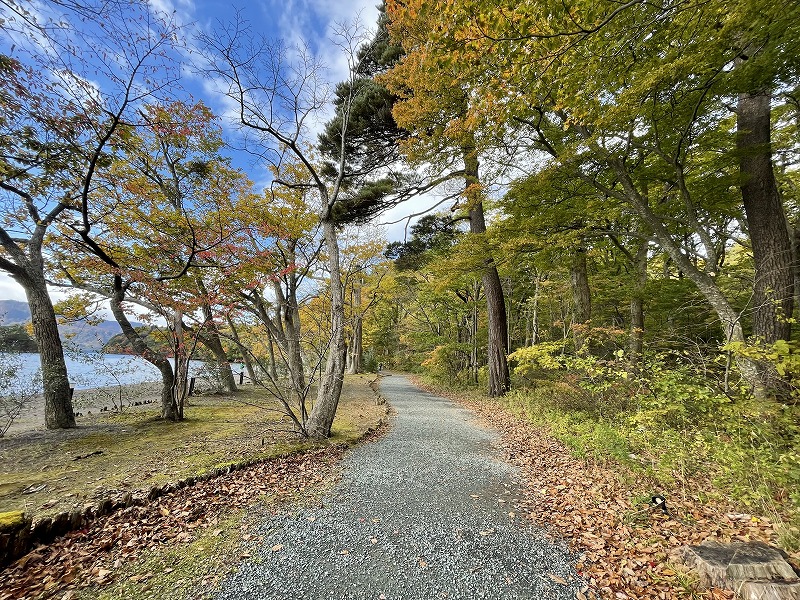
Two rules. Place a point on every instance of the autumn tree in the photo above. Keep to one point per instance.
(152, 236)
(72, 74)
(662, 78)
(435, 109)
(278, 91)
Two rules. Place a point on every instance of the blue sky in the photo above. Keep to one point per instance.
(293, 21)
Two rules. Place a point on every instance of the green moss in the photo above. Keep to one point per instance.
(11, 520)
(138, 450)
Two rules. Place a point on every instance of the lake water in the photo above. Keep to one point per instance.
(92, 370)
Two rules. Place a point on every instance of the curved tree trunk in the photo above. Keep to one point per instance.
(330, 386)
(169, 407)
(58, 412)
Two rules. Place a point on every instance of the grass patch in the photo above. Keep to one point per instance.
(45, 473)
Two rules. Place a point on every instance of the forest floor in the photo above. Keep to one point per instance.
(628, 547)
(110, 454)
(184, 544)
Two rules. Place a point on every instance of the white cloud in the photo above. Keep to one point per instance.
(10, 289)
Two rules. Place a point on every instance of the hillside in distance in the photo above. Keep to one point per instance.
(84, 336)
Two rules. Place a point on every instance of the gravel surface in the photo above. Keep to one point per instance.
(428, 511)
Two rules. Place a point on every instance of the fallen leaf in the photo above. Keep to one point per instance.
(557, 579)
(277, 548)
(103, 574)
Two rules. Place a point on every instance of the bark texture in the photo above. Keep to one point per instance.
(637, 302)
(58, 412)
(499, 378)
(581, 296)
(773, 290)
(320, 420)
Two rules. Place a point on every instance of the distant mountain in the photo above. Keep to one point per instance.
(82, 335)
(13, 312)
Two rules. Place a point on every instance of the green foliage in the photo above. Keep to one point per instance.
(672, 420)
(15, 338)
(448, 361)
(539, 358)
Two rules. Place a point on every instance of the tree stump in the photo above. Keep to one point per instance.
(754, 570)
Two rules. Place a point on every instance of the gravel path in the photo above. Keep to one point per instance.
(425, 512)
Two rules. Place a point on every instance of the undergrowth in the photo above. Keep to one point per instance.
(671, 423)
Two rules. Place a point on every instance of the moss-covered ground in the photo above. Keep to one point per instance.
(166, 549)
(47, 472)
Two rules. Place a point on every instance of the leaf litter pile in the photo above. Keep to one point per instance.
(92, 557)
(627, 549)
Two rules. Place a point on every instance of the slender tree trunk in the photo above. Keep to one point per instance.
(243, 350)
(58, 412)
(773, 291)
(581, 296)
(330, 386)
(357, 345)
(637, 303)
(273, 367)
(473, 336)
(499, 377)
(180, 383)
(290, 327)
(169, 408)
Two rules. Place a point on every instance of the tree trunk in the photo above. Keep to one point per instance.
(209, 336)
(58, 412)
(499, 377)
(773, 291)
(637, 303)
(248, 362)
(273, 367)
(290, 331)
(330, 386)
(169, 408)
(357, 346)
(180, 383)
(581, 296)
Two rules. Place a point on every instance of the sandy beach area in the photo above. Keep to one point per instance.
(136, 396)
